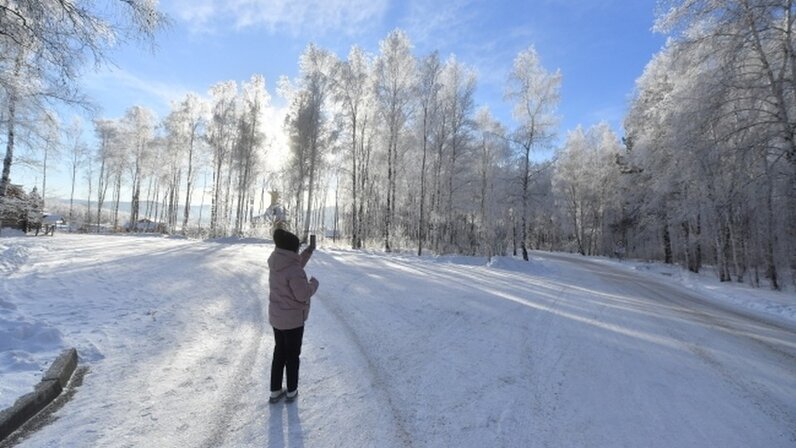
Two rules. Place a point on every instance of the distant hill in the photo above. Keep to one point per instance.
(61, 206)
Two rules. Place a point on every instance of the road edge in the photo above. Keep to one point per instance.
(49, 388)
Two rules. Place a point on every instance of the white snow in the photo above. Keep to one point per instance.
(398, 351)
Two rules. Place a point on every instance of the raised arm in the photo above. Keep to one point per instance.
(305, 255)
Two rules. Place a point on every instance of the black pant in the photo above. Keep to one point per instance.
(287, 349)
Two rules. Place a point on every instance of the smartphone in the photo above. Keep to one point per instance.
(312, 240)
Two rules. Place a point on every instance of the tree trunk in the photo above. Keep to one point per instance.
(525, 180)
(102, 186)
(117, 193)
(44, 175)
(334, 229)
(87, 219)
(148, 205)
(667, 241)
(420, 225)
(72, 193)
(771, 268)
(134, 206)
(216, 198)
(310, 191)
(12, 120)
(189, 186)
(354, 224)
(8, 160)
(390, 199)
(486, 246)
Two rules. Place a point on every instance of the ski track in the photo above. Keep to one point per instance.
(398, 352)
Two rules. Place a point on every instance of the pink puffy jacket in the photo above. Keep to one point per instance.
(290, 291)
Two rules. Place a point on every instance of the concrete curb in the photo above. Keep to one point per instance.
(52, 383)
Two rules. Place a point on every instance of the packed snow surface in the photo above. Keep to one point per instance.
(399, 351)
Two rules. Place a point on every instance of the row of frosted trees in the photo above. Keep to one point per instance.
(414, 163)
(390, 150)
(707, 171)
(711, 139)
(44, 46)
(158, 162)
(412, 160)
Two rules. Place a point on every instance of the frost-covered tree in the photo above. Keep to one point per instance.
(584, 171)
(115, 152)
(222, 136)
(107, 133)
(186, 124)
(36, 205)
(394, 88)
(44, 44)
(535, 93)
(18, 96)
(492, 149)
(710, 137)
(458, 88)
(250, 148)
(308, 127)
(77, 152)
(50, 146)
(317, 68)
(139, 128)
(429, 85)
(352, 91)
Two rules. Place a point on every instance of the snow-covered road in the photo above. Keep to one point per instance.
(398, 351)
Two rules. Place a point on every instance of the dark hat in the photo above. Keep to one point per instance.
(286, 240)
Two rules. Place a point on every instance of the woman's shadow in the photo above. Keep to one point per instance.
(276, 427)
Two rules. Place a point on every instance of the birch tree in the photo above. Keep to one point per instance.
(583, 173)
(107, 134)
(395, 78)
(458, 105)
(77, 152)
(752, 60)
(222, 135)
(51, 142)
(139, 125)
(250, 150)
(44, 44)
(352, 91)
(428, 92)
(187, 122)
(493, 151)
(535, 93)
(317, 67)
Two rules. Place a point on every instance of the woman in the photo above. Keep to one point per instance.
(288, 308)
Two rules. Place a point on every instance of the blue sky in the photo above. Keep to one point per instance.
(600, 46)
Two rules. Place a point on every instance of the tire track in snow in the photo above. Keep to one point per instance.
(240, 380)
(712, 318)
(538, 359)
(374, 370)
(748, 389)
